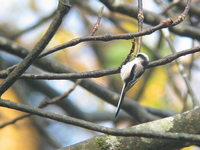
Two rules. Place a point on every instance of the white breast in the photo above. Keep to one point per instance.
(126, 69)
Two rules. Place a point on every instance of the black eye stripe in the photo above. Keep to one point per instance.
(142, 56)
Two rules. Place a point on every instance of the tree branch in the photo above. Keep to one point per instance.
(63, 8)
(139, 131)
(43, 103)
(107, 37)
(151, 18)
(165, 23)
(101, 72)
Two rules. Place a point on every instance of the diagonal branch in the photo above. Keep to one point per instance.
(63, 8)
(107, 37)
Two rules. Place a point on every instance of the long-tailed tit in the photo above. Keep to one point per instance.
(130, 73)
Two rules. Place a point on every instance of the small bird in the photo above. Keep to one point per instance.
(130, 73)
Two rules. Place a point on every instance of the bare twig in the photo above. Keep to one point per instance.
(191, 63)
(97, 24)
(185, 97)
(152, 18)
(58, 98)
(63, 8)
(108, 37)
(43, 103)
(181, 69)
(194, 10)
(181, 17)
(140, 24)
(15, 120)
(164, 24)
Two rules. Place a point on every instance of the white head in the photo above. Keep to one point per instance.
(143, 56)
(141, 60)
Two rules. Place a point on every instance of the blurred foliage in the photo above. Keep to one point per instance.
(115, 52)
(155, 90)
(19, 136)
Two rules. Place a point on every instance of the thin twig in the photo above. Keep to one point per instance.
(191, 63)
(108, 37)
(181, 69)
(164, 24)
(194, 9)
(140, 25)
(152, 18)
(63, 9)
(43, 103)
(97, 24)
(183, 15)
(58, 98)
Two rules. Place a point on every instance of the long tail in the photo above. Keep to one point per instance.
(123, 92)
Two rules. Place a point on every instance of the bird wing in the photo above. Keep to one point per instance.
(132, 78)
(136, 72)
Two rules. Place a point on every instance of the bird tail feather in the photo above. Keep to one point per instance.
(123, 92)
